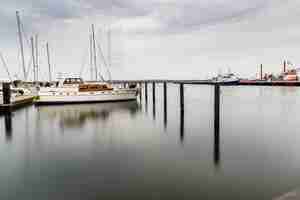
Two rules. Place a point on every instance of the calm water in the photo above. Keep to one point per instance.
(131, 150)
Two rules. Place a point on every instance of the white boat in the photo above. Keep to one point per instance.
(74, 90)
(228, 78)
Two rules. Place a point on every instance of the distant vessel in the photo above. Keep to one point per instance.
(74, 90)
(228, 78)
(290, 75)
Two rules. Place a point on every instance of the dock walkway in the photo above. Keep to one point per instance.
(19, 102)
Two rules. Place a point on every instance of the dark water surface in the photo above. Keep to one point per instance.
(131, 150)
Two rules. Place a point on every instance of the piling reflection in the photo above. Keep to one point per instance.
(217, 126)
(182, 125)
(8, 126)
(76, 116)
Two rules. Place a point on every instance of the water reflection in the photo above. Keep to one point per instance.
(120, 152)
(182, 125)
(154, 110)
(217, 139)
(8, 126)
(76, 116)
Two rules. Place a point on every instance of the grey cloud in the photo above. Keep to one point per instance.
(172, 15)
(182, 16)
(193, 16)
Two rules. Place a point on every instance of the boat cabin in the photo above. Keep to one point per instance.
(94, 87)
(72, 81)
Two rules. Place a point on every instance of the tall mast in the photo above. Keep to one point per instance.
(33, 58)
(5, 66)
(91, 55)
(109, 51)
(109, 47)
(49, 65)
(21, 43)
(36, 58)
(95, 54)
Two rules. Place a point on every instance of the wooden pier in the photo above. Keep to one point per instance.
(10, 104)
(209, 82)
(22, 100)
(18, 103)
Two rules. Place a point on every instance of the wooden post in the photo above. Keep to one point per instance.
(146, 92)
(181, 93)
(165, 104)
(181, 88)
(6, 93)
(261, 72)
(140, 91)
(153, 92)
(217, 125)
(153, 99)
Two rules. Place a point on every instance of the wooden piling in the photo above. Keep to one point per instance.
(181, 94)
(261, 72)
(146, 92)
(140, 91)
(146, 96)
(153, 91)
(165, 104)
(153, 99)
(217, 125)
(6, 92)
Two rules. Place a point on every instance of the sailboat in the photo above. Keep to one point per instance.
(76, 90)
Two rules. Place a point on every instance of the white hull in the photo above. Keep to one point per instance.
(86, 97)
(227, 81)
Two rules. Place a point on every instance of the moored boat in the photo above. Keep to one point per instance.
(74, 90)
(228, 78)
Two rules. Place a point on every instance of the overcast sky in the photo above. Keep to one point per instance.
(176, 39)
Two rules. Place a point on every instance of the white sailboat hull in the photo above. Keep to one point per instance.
(86, 97)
